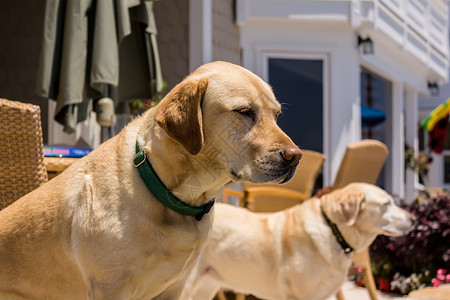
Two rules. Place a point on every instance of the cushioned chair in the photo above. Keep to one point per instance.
(21, 150)
(362, 162)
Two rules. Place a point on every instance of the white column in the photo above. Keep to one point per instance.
(355, 13)
(200, 33)
(397, 161)
(411, 120)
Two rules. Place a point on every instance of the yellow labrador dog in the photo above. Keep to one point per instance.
(295, 253)
(128, 221)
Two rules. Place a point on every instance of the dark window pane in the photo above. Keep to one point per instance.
(376, 95)
(421, 136)
(298, 85)
(447, 169)
(447, 140)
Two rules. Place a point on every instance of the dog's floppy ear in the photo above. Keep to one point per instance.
(344, 205)
(180, 114)
(350, 206)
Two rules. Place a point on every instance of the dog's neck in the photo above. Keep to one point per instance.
(356, 237)
(194, 179)
(337, 234)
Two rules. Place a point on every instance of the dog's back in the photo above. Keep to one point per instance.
(266, 255)
(295, 253)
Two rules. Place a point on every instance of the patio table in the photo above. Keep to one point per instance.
(55, 165)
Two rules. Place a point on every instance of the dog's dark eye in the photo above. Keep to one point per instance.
(278, 115)
(247, 112)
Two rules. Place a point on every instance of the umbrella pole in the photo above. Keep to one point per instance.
(105, 112)
(105, 133)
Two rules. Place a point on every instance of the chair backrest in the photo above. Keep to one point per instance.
(303, 182)
(308, 169)
(362, 162)
(21, 150)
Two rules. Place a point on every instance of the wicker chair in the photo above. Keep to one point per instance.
(21, 150)
(275, 197)
(362, 162)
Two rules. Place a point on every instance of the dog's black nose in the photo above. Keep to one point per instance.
(292, 154)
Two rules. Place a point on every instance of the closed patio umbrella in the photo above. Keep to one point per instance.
(371, 117)
(97, 48)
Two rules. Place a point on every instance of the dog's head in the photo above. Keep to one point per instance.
(226, 115)
(367, 208)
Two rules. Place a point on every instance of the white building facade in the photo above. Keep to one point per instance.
(308, 51)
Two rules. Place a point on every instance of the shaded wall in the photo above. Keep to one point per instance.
(21, 24)
(225, 32)
(172, 21)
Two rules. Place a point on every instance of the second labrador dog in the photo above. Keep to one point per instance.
(295, 253)
(129, 220)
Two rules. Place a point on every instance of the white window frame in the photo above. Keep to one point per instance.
(262, 68)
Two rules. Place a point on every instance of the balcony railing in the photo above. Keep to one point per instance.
(419, 27)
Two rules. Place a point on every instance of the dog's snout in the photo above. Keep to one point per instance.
(292, 154)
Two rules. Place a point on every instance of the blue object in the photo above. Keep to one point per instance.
(371, 117)
(65, 151)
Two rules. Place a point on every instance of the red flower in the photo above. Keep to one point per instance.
(383, 285)
(435, 282)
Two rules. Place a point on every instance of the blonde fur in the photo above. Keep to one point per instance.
(293, 254)
(95, 231)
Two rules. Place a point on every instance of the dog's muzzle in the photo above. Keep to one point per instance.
(291, 156)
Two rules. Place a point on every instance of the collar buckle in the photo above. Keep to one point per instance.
(139, 158)
(206, 208)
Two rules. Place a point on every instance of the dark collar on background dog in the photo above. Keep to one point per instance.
(339, 238)
(159, 190)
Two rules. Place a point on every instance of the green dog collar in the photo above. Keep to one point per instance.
(159, 190)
